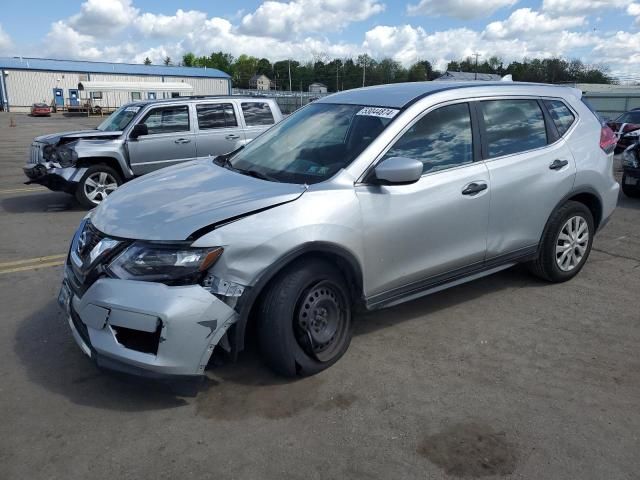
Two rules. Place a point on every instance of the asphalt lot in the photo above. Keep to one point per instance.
(505, 377)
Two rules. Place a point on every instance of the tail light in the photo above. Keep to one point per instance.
(608, 140)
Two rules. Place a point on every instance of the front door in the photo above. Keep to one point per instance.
(218, 129)
(74, 99)
(58, 97)
(413, 234)
(170, 140)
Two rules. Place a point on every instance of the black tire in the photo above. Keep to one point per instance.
(95, 170)
(546, 265)
(291, 298)
(631, 191)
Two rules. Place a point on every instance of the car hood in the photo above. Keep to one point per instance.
(175, 202)
(76, 135)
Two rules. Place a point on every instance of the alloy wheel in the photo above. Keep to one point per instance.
(572, 243)
(98, 185)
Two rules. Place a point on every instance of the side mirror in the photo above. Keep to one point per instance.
(398, 171)
(138, 130)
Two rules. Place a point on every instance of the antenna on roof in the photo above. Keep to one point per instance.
(507, 78)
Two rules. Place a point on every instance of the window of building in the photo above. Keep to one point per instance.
(96, 95)
(513, 126)
(175, 94)
(441, 139)
(561, 115)
(220, 115)
(257, 113)
(167, 120)
(136, 96)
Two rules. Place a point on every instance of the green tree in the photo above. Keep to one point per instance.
(167, 60)
(147, 61)
(189, 60)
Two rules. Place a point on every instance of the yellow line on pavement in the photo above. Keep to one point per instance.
(21, 190)
(32, 260)
(32, 267)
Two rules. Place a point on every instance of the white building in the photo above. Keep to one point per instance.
(71, 84)
(317, 87)
(260, 82)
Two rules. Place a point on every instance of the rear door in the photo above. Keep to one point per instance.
(257, 116)
(218, 129)
(531, 170)
(171, 139)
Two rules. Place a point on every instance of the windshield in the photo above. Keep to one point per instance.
(314, 143)
(119, 119)
(629, 117)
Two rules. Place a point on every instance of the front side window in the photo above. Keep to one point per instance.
(312, 144)
(167, 120)
(219, 115)
(513, 126)
(441, 139)
(257, 113)
(562, 117)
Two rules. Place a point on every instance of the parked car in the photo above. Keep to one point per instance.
(631, 170)
(40, 110)
(360, 200)
(141, 137)
(627, 129)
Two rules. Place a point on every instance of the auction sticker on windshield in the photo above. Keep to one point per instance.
(378, 112)
(132, 109)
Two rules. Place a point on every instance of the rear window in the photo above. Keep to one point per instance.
(513, 126)
(219, 115)
(562, 117)
(257, 113)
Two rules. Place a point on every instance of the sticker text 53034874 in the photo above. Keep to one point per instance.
(378, 112)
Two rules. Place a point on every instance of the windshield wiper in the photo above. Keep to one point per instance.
(223, 160)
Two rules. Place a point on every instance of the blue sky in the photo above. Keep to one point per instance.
(603, 32)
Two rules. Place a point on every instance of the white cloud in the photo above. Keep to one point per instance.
(5, 41)
(63, 38)
(463, 9)
(298, 17)
(103, 17)
(525, 22)
(176, 25)
(581, 6)
(634, 10)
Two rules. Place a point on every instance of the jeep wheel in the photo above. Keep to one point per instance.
(566, 243)
(96, 183)
(631, 191)
(305, 319)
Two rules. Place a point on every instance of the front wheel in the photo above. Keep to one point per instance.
(305, 319)
(632, 191)
(566, 243)
(96, 184)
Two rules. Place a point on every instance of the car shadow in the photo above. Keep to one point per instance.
(39, 202)
(45, 347)
(627, 202)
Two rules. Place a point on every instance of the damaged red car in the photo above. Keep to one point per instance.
(627, 129)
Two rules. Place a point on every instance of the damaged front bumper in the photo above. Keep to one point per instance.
(147, 329)
(53, 177)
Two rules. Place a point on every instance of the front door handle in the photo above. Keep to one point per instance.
(183, 140)
(558, 164)
(474, 188)
(232, 136)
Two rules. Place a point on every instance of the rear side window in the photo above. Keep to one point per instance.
(219, 115)
(561, 115)
(257, 113)
(167, 120)
(441, 139)
(513, 126)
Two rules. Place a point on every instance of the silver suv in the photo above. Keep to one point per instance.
(145, 136)
(361, 200)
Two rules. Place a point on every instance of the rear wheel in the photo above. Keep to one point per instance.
(305, 319)
(566, 243)
(96, 184)
(632, 191)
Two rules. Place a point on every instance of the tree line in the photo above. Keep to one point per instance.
(343, 74)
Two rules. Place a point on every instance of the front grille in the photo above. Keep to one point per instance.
(93, 237)
(35, 155)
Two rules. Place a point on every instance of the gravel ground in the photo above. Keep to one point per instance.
(504, 377)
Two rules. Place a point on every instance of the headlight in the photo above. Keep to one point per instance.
(166, 263)
(66, 156)
(49, 153)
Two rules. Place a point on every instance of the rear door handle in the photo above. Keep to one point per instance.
(232, 136)
(558, 164)
(183, 140)
(474, 188)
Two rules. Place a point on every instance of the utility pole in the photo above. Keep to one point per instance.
(364, 69)
(337, 81)
(290, 75)
(476, 55)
